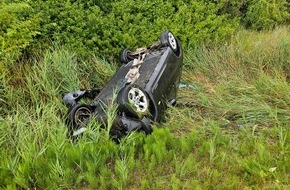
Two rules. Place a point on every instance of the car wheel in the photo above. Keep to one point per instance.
(168, 40)
(123, 57)
(133, 101)
(78, 117)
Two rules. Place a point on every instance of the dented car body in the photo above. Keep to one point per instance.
(141, 88)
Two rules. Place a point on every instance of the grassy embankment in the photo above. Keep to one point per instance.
(230, 129)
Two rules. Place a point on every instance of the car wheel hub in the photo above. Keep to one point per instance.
(172, 40)
(138, 99)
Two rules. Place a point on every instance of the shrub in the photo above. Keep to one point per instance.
(105, 27)
(256, 14)
(18, 27)
(266, 14)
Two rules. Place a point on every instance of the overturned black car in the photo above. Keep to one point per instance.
(143, 86)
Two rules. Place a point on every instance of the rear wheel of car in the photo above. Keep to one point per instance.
(123, 57)
(168, 40)
(133, 101)
(77, 118)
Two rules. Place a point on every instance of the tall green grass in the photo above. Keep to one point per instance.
(229, 130)
(243, 83)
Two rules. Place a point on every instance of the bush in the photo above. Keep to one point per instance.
(18, 27)
(256, 14)
(266, 14)
(105, 27)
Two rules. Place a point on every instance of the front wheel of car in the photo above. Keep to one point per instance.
(133, 101)
(168, 40)
(77, 119)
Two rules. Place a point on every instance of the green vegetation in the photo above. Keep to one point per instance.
(104, 27)
(230, 129)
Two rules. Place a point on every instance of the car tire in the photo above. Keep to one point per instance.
(168, 40)
(123, 56)
(133, 101)
(77, 118)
